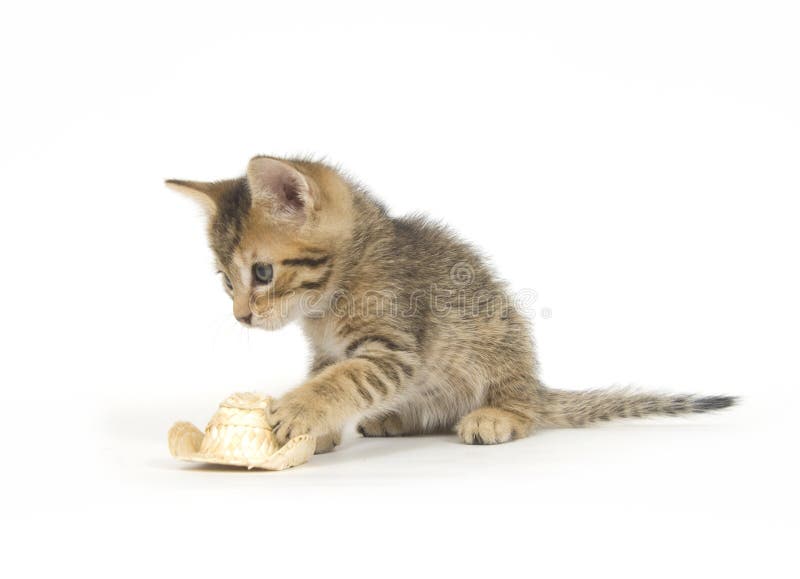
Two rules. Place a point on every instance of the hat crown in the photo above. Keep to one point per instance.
(239, 430)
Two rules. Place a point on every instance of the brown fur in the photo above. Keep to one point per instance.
(409, 328)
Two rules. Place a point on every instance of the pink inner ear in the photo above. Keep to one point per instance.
(281, 185)
(291, 197)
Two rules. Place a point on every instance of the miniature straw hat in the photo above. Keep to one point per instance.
(238, 434)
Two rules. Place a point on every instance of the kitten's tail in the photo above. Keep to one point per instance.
(575, 409)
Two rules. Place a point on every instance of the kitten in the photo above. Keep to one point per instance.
(410, 330)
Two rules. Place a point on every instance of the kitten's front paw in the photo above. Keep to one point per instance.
(294, 414)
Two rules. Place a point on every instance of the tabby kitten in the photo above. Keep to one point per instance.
(410, 330)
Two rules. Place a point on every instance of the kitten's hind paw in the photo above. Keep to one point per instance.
(492, 426)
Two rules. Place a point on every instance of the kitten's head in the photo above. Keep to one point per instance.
(275, 233)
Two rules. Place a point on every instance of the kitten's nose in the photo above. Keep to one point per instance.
(245, 319)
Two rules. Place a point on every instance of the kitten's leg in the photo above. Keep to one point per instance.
(386, 425)
(327, 442)
(379, 368)
(319, 363)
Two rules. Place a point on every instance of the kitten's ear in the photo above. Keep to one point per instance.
(281, 188)
(207, 194)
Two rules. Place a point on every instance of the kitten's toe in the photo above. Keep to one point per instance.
(491, 426)
(327, 442)
(390, 425)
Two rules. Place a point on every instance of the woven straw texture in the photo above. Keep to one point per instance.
(238, 434)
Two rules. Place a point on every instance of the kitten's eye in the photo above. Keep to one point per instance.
(262, 272)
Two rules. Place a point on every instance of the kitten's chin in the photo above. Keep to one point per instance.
(275, 321)
(269, 324)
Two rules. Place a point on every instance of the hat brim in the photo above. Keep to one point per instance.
(294, 453)
(185, 441)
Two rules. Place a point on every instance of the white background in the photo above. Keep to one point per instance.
(634, 163)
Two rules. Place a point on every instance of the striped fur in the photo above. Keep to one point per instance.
(410, 330)
(576, 409)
